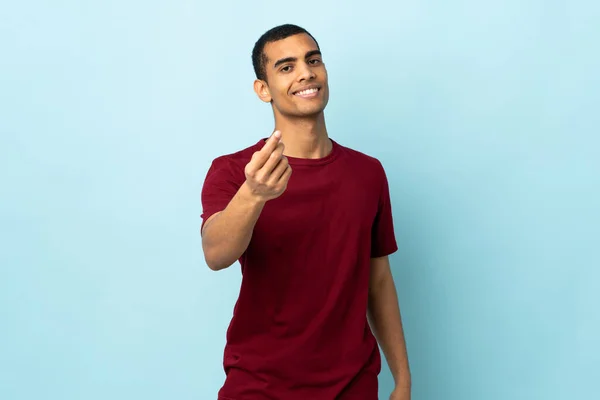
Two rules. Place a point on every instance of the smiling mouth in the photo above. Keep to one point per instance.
(307, 92)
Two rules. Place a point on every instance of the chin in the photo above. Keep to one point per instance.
(306, 111)
(309, 113)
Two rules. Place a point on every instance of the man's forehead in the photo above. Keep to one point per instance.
(292, 46)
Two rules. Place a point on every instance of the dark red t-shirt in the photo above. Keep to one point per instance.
(299, 329)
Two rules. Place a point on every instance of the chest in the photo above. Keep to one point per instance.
(317, 203)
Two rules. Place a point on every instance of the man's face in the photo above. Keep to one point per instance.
(296, 77)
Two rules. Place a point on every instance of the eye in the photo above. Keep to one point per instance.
(287, 68)
(314, 61)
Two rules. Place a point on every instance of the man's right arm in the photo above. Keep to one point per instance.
(226, 235)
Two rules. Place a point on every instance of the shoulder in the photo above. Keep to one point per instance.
(360, 159)
(230, 167)
(235, 159)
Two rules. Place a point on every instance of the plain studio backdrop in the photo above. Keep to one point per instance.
(485, 115)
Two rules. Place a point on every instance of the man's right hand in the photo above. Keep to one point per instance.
(268, 172)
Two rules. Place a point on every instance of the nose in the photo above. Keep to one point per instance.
(306, 72)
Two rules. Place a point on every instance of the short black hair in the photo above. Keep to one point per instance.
(259, 59)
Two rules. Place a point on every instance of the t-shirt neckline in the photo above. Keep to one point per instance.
(308, 161)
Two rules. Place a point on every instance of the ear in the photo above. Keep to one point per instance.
(262, 90)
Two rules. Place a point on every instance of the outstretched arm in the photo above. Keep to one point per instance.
(227, 234)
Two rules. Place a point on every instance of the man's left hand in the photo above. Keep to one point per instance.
(400, 393)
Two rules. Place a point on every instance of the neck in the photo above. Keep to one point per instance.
(304, 137)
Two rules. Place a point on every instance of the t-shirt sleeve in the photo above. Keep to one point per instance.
(220, 185)
(383, 239)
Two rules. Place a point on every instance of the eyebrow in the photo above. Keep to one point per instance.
(294, 59)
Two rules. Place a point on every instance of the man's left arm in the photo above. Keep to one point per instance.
(386, 323)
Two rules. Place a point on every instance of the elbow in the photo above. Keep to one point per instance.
(213, 262)
(209, 256)
(215, 266)
(217, 257)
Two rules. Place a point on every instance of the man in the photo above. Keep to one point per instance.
(313, 246)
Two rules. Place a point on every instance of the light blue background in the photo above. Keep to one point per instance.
(484, 114)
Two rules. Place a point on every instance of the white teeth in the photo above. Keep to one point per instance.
(307, 91)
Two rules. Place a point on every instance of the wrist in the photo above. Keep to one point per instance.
(250, 197)
(402, 379)
(401, 392)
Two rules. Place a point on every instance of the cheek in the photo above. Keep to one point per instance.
(279, 89)
(282, 97)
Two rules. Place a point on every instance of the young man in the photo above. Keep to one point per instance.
(313, 246)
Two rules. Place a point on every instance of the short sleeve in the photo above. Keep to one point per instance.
(221, 184)
(383, 239)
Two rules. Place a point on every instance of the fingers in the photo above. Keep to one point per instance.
(285, 177)
(274, 158)
(279, 170)
(262, 156)
(268, 171)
